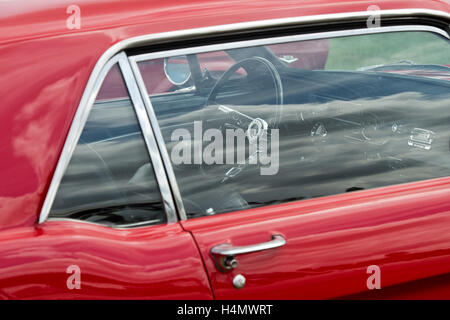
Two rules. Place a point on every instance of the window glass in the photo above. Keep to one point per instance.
(384, 49)
(110, 178)
(214, 64)
(307, 119)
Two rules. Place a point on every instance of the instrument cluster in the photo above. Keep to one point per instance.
(336, 122)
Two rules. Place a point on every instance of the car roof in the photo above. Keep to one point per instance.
(23, 19)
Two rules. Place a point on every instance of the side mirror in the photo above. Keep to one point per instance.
(177, 70)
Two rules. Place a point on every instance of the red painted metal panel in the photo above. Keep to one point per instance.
(405, 230)
(158, 262)
(44, 68)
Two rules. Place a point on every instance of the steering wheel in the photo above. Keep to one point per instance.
(255, 128)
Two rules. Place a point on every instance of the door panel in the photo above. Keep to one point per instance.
(331, 241)
(157, 262)
(338, 140)
(433, 288)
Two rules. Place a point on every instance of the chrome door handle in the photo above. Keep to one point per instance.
(224, 254)
(227, 249)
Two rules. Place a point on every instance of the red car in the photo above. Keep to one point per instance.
(224, 149)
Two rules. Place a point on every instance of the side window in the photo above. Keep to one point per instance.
(306, 119)
(110, 178)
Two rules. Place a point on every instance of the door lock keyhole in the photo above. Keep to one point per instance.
(230, 262)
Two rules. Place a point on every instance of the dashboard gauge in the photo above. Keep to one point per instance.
(398, 127)
(319, 130)
(373, 129)
(395, 127)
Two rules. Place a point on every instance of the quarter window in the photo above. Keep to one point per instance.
(110, 178)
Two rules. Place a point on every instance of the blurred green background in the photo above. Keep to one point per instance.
(350, 53)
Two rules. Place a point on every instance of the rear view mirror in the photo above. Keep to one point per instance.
(177, 70)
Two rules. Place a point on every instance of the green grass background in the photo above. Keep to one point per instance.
(350, 53)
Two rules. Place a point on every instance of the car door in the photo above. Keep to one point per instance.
(357, 202)
(105, 232)
(333, 248)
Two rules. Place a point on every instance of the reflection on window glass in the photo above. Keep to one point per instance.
(110, 178)
(399, 48)
(309, 55)
(286, 122)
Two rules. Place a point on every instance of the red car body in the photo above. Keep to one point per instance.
(44, 69)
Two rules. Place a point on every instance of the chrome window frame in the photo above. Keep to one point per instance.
(79, 123)
(115, 53)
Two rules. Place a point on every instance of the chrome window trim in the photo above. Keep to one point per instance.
(74, 134)
(284, 39)
(124, 227)
(160, 140)
(233, 45)
(149, 137)
(77, 127)
(106, 61)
